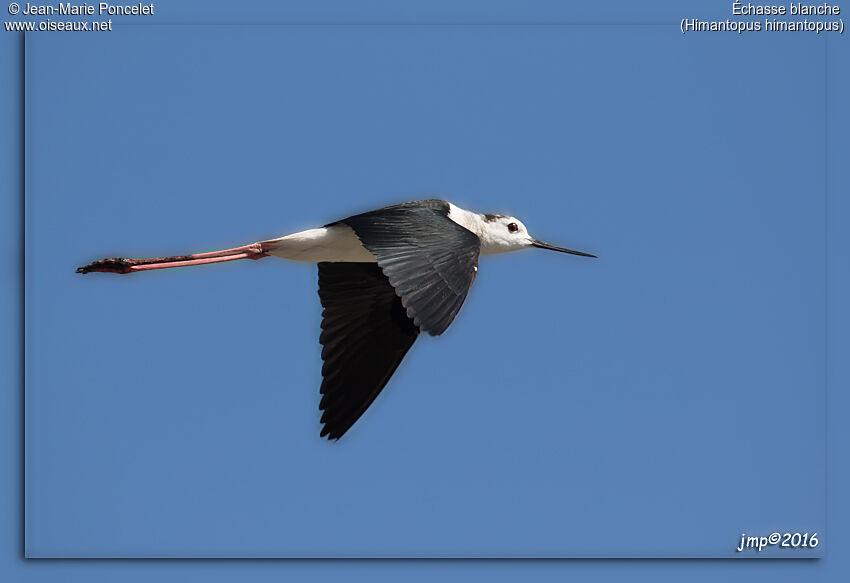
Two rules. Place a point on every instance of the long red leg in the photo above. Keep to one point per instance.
(125, 265)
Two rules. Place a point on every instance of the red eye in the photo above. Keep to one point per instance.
(512, 227)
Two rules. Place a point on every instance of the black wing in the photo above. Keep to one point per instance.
(365, 334)
(428, 258)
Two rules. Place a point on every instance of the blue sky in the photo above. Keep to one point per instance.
(575, 407)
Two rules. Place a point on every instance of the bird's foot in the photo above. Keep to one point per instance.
(108, 265)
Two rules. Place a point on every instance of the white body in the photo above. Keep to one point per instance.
(339, 243)
(336, 243)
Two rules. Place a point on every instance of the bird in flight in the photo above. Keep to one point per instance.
(384, 277)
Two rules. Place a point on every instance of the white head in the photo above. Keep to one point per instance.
(500, 234)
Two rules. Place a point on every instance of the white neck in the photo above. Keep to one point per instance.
(476, 223)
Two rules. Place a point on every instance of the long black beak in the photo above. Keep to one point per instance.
(542, 245)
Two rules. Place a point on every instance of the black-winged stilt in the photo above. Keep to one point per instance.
(384, 277)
